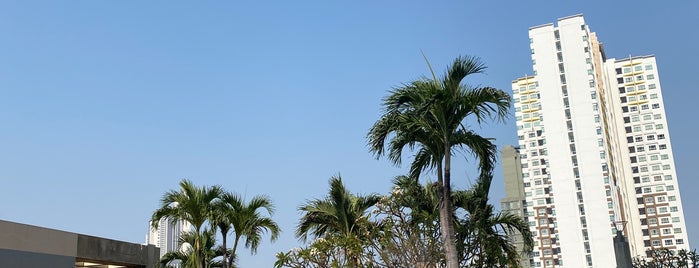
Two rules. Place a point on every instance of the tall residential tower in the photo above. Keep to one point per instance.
(167, 235)
(595, 151)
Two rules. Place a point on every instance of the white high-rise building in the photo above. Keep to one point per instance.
(595, 151)
(166, 236)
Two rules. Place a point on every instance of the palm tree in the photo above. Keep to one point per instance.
(429, 114)
(340, 215)
(192, 204)
(186, 255)
(221, 219)
(247, 221)
(482, 238)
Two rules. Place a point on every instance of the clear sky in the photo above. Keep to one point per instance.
(105, 105)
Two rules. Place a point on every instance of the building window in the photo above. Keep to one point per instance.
(650, 77)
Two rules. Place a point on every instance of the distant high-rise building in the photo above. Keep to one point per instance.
(515, 200)
(595, 151)
(167, 235)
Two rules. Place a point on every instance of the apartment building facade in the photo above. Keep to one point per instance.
(581, 121)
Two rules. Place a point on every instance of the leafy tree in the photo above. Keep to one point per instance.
(411, 215)
(407, 233)
(429, 115)
(667, 258)
(333, 251)
(194, 205)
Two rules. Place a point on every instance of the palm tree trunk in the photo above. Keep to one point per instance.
(235, 247)
(197, 247)
(225, 250)
(445, 214)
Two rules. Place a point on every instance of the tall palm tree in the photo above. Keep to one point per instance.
(221, 219)
(192, 204)
(482, 238)
(429, 114)
(247, 220)
(340, 214)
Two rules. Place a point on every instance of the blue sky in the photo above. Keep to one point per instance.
(105, 105)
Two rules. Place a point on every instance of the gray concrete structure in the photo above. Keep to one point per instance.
(24, 245)
(514, 201)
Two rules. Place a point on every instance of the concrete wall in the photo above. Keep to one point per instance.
(24, 245)
(15, 258)
(107, 250)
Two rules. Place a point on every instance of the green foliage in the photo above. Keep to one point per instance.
(341, 217)
(404, 231)
(482, 237)
(194, 205)
(248, 220)
(187, 257)
(220, 210)
(667, 258)
(428, 115)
